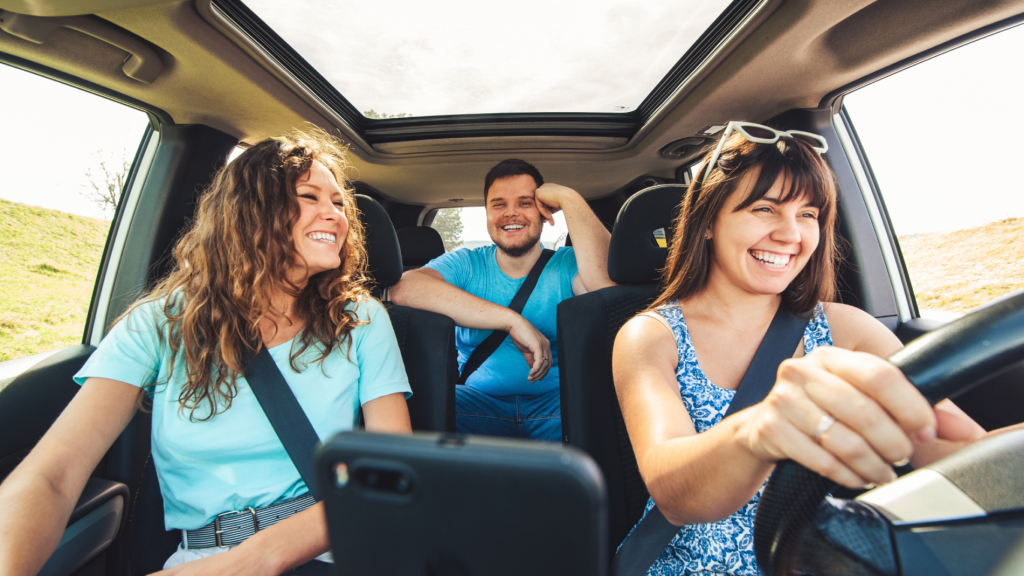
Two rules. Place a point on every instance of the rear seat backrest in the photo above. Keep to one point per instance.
(426, 339)
(587, 326)
(419, 244)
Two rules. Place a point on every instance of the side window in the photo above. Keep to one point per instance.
(467, 228)
(64, 157)
(940, 140)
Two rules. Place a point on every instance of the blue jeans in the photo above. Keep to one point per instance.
(519, 416)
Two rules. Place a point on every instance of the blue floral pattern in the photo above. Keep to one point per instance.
(727, 546)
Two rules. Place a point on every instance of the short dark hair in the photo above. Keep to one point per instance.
(509, 168)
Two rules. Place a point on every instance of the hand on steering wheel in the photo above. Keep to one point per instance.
(939, 364)
(849, 416)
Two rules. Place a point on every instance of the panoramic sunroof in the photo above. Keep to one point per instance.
(400, 58)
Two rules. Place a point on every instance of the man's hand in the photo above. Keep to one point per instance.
(535, 347)
(550, 198)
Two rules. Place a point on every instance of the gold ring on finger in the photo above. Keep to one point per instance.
(824, 424)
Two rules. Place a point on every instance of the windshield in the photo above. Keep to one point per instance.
(395, 58)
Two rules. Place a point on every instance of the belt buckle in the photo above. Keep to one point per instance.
(217, 529)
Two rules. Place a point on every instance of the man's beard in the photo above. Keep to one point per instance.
(521, 249)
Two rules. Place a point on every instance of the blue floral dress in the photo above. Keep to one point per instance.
(727, 546)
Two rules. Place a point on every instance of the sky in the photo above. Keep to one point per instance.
(53, 134)
(464, 57)
(941, 136)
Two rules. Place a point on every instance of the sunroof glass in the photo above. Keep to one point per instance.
(407, 58)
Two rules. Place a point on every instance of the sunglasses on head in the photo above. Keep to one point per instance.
(761, 134)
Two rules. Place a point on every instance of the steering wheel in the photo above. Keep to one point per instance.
(941, 363)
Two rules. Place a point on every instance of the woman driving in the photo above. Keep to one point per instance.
(274, 260)
(756, 232)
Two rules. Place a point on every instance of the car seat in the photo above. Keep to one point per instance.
(587, 326)
(426, 339)
(419, 245)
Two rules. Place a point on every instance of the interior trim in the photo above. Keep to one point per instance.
(156, 115)
(525, 125)
(487, 143)
(834, 99)
(905, 303)
(753, 20)
(922, 496)
(732, 25)
(143, 64)
(95, 329)
(219, 20)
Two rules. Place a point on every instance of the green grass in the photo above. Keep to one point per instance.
(48, 265)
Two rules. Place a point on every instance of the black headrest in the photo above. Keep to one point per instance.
(383, 253)
(633, 257)
(420, 244)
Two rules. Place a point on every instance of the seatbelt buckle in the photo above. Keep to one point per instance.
(218, 531)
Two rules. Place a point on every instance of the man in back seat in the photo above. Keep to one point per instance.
(506, 396)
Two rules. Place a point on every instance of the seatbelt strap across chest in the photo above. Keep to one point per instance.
(285, 413)
(654, 532)
(494, 339)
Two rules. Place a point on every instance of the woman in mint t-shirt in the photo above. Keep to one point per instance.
(274, 259)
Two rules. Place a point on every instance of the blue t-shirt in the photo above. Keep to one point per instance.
(235, 459)
(476, 271)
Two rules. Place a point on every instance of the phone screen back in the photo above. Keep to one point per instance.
(441, 505)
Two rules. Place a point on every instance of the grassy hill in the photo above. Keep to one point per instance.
(958, 271)
(48, 264)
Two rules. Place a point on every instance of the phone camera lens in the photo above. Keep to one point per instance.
(371, 479)
(403, 484)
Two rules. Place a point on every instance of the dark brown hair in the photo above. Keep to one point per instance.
(509, 168)
(238, 253)
(805, 172)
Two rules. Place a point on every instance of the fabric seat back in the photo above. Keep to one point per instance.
(587, 326)
(419, 245)
(426, 339)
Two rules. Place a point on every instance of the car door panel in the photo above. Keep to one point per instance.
(33, 400)
(916, 327)
(94, 523)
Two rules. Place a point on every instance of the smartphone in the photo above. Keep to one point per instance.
(457, 505)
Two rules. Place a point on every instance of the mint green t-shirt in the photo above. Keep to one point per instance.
(235, 459)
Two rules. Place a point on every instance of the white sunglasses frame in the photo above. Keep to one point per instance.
(739, 127)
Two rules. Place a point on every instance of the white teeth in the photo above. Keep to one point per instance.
(513, 227)
(772, 260)
(323, 237)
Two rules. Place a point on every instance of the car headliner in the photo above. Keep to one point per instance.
(796, 54)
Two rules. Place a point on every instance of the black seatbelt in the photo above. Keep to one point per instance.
(285, 414)
(494, 339)
(654, 532)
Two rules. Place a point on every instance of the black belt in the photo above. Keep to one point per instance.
(232, 527)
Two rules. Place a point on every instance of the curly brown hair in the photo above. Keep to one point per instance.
(689, 259)
(237, 255)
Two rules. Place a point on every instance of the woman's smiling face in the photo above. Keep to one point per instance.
(322, 227)
(762, 247)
